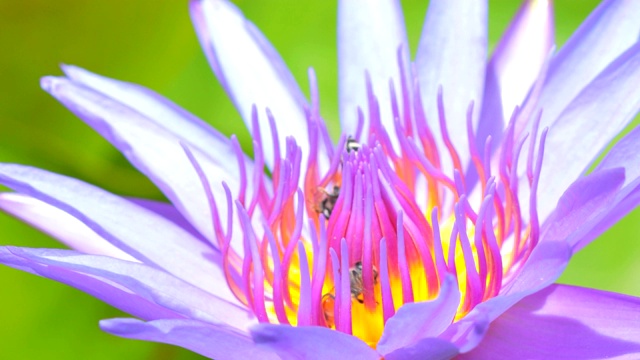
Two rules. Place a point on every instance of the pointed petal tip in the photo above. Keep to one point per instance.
(194, 6)
(112, 326)
(47, 83)
(73, 71)
(54, 84)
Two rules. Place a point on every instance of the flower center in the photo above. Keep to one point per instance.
(348, 240)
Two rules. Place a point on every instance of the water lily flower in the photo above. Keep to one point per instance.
(435, 227)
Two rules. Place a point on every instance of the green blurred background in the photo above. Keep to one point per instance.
(152, 43)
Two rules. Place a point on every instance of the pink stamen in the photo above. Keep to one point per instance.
(278, 299)
(337, 280)
(304, 306)
(291, 245)
(445, 133)
(533, 200)
(385, 285)
(361, 209)
(276, 147)
(345, 289)
(367, 252)
(256, 294)
(405, 276)
(319, 270)
(474, 292)
(532, 145)
(438, 251)
(404, 93)
(235, 145)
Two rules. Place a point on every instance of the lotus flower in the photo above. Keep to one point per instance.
(434, 228)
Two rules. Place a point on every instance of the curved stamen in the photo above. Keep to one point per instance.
(380, 224)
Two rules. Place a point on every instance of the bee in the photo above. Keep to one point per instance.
(356, 283)
(326, 201)
(352, 144)
(328, 306)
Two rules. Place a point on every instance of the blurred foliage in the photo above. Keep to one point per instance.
(152, 43)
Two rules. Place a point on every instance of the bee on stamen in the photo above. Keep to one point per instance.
(356, 284)
(328, 304)
(326, 201)
(352, 144)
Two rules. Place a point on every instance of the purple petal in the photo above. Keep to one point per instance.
(133, 287)
(311, 342)
(625, 153)
(141, 233)
(584, 201)
(522, 51)
(618, 209)
(467, 333)
(216, 342)
(610, 30)
(565, 322)
(515, 65)
(577, 210)
(588, 124)
(60, 225)
(251, 71)
(106, 291)
(170, 213)
(162, 112)
(452, 53)
(544, 266)
(425, 349)
(154, 150)
(369, 36)
(417, 321)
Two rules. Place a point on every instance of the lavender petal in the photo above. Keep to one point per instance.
(544, 266)
(416, 321)
(155, 151)
(565, 322)
(251, 71)
(214, 341)
(515, 65)
(584, 201)
(132, 287)
(60, 225)
(162, 112)
(548, 259)
(625, 153)
(125, 225)
(608, 32)
(110, 293)
(169, 212)
(453, 57)
(599, 112)
(626, 200)
(425, 349)
(311, 342)
(366, 46)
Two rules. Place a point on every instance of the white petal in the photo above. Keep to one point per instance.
(251, 71)
(452, 53)
(610, 30)
(60, 225)
(587, 125)
(369, 36)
